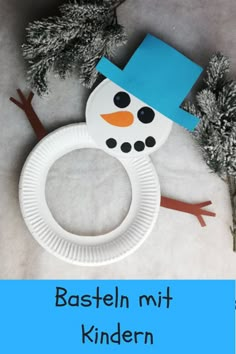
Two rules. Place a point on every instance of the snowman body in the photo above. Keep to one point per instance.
(79, 249)
(129, 116)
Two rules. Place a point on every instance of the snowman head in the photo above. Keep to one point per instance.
(131, 113)
(122, 124)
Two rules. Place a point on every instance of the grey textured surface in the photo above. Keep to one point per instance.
(88, 191)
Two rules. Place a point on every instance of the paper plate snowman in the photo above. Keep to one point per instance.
(129, 115)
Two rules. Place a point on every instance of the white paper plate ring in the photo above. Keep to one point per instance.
(78, 249)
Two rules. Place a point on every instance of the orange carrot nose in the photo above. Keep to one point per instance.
(119, 119)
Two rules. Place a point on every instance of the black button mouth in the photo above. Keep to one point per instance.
(139, 146)
(150, 142)
(111, 143)
(126, 147)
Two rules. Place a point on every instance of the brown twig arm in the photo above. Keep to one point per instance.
(25, 104)
(194, 209)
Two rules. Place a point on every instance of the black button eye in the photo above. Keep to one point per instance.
(146, 115)
(122, 99)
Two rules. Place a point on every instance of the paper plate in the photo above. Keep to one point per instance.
(78, 249)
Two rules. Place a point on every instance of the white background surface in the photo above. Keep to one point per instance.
(88, 191)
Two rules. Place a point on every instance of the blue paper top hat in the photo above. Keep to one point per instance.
(158, 75)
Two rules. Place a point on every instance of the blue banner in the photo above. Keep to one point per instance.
(164, 317)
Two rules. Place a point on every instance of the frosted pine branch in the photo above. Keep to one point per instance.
(218, 67)
(73, 42)
(216, 133)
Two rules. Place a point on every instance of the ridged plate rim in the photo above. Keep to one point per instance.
(77, 249)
